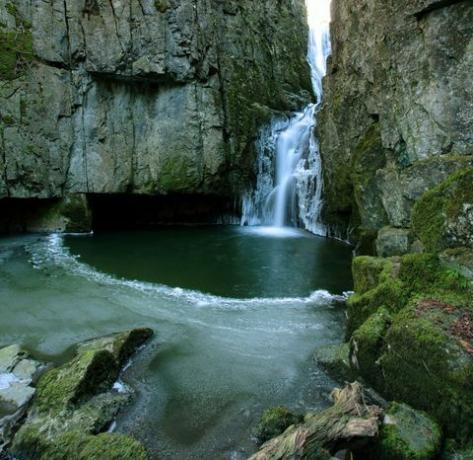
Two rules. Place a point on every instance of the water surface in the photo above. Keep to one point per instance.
(237, 316)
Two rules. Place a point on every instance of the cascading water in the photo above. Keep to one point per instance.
(289, 184)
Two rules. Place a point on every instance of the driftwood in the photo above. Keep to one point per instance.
(350, 423)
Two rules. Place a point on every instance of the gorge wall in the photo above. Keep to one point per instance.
(397, 117)
(145, 96)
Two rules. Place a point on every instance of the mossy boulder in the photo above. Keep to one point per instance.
(335, 360)
(74, 445)
(406, 434)
(460, 260)
(366, 346)
(393, 282)
(428, 362)
(77, 399)
(452, 451)
(376, 284)
(443, 217)
(275, 421)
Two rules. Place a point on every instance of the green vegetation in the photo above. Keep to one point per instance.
(275, 421)
(407, 434)
(439, 218)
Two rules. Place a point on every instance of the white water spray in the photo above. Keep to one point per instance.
(289, 184)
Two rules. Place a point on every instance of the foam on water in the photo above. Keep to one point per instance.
(50, 251)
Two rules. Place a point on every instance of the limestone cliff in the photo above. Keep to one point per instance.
(142, 96)
(397, 117)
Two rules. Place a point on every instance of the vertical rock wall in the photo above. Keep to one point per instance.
(398, 112)
(143, 96)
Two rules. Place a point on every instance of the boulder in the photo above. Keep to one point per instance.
(335, 360)
(428, 361)
(393, 242)
(77, 401)
(18, 373)
(405, 434)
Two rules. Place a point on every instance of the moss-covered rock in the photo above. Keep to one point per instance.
(74, 445)
(460, 260)
(75, 401)
(406, 434)
(428, 362)
(376, 284)
(335, 360)
(275, 421)
(393, 282)
(393, 242)
(443, 217)
(366, 346)
(452, 451)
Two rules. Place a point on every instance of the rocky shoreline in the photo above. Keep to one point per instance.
(409, 337)
(66, 412)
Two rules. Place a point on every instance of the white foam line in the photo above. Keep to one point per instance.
(51, 250)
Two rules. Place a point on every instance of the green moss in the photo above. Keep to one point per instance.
(161, 5)
(74, 445)
(8, 120)
(366, 346)
(367, 272)
(428, 367)
(406, 434)
(452, 451)
(275, 421)
(88, 374)
(16, 51)
(435, 216)
(112, 447)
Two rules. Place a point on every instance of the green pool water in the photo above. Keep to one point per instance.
(237, 314)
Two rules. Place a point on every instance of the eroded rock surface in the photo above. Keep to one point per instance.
(142, 96)
(397, 117)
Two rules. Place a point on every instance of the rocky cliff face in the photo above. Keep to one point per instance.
(145, 96)
(398, 112)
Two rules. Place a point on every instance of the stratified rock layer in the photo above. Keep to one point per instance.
(142, 96)
(397, 117)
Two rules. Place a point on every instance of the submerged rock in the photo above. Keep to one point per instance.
(76, 401)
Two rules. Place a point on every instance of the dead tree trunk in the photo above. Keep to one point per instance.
(350, 423)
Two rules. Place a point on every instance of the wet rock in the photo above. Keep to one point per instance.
(335, 360)
(18, 373)
(76, 401)
(405, 434)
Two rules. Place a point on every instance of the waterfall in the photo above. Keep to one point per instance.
(289, 184)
